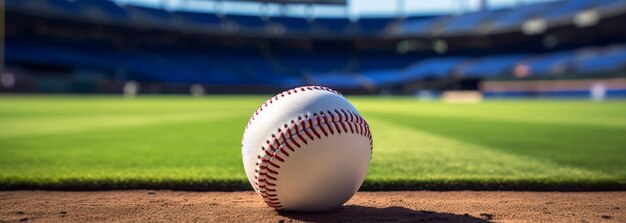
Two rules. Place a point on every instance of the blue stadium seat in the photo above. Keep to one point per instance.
(515, 18)
(57, 55)
(384, 62)
(314, 63)
(385, 77)
(336, 25)
(569, 9)
(373, 25)
(469, 22)
(198, 17)
(204, 68)
(147, 14)
(611, 4)
(247, 21)
(612, 58)
(491, 66)
(107, 9)
(549, 64)
(423, 26)
(336, 80)
(293, 23)
(434, 67)
(64, 6)
(27, 4)
(171, 67)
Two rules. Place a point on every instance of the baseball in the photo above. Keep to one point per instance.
(306, 149)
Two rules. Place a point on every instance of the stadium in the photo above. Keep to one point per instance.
(480, 110)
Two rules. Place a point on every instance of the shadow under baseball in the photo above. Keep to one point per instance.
(356, 213)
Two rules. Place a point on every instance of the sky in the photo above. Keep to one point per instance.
(355, 8)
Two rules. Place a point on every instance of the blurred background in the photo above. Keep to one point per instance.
(493, 48)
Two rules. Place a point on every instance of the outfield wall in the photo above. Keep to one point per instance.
(610, 88)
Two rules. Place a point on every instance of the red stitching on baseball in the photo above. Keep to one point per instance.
(317, 118)
(332, 121)
(282, 94)
(288, 145)
(283, 151)
(298, 133)
(330, 129)
(278, 158)
(266, 152)
(273, 164)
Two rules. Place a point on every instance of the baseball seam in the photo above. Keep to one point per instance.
(299, 132)
(285, 93)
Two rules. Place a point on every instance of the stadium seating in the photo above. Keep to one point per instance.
(611, 58)
(63, 5)
(568, 9)
(385, 77)
(336, 80)
(251, 22)
(473, 22)
(197, 18)
(515, 18)
(383, 62)
(314, 63)
(434, 67)
(490, 66)
(418, 26)
(331, 70)
(550, 64)
(103, 9)
(269, 67)
(374, 25)
(335, 25)
(468, 22)
(293, 23)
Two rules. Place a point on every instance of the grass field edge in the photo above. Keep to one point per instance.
(368, 185)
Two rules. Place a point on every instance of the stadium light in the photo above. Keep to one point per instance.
(586, 18)
(406, 46)
(440, 46)
(534, 26)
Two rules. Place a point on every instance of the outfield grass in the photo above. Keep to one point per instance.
(177, 142)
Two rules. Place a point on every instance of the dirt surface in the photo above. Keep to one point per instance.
(412, 206)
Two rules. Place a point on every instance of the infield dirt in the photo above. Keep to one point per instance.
(407, 206)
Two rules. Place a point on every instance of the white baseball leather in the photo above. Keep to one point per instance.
(306, 149)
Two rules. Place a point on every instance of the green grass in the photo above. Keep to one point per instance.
(176, 142)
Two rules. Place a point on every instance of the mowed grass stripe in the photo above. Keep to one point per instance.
(418, 161)
(165, 155)
(43, 126)
(609, 114)
(194, 144)
(420, 155)
(590, 147)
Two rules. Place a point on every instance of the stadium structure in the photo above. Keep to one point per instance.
(547, 49)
